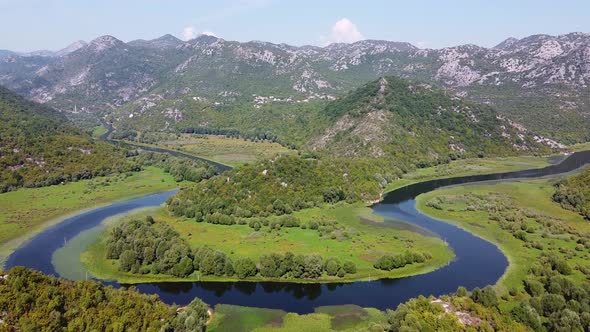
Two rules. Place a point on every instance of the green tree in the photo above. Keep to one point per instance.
(245, 267)
(527, 315)
(192, 318)
(183, 268)
(332, 266)
(349, 267)
(127, 260)
(461, 291)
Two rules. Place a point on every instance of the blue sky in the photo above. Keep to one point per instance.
(27, 25)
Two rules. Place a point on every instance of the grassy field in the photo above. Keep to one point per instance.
(366, 240)
(98, 130)
(28, 211)
(331, 318)
(531, 198)
(580, 146)
(466, 167)
(229, 151)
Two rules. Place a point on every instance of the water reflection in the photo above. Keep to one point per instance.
(477, 262)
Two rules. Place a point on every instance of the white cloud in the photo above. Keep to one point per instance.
(343, 31)
(208, 33)
(191, 32)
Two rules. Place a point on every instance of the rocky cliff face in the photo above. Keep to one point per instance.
(544, 74)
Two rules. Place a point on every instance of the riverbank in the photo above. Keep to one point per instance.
(472, 207)
(474, 166)
(361, 237)
(252, 244)
(29, 211)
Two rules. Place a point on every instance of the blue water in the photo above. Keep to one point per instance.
(477, 263)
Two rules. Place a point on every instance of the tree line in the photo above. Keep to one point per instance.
(390, 262)
(147, 246)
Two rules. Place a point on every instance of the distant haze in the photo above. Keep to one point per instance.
(28, 25)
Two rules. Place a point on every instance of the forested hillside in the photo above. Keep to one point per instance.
(283, 185)
(416, 122)
(39, 147)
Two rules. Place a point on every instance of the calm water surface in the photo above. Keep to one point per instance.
(477, 263)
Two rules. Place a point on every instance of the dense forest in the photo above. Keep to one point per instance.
(457, 313)
(283, 185)
(146, 246)
(573, 193)
(40, 147)
(30, 301)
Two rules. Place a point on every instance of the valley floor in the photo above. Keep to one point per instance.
(368, 239)
(363, 239)
(224, 150)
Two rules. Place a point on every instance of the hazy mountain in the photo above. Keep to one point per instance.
(71, 48)
(539, 81)
(164, 42)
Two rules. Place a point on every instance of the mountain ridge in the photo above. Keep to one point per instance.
(546, 75)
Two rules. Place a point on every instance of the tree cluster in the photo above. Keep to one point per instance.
(146, 246)
(282, 186)
(181, 168)
(390, 262)
(428, 314)
(556, 303)
(573, 193)
(31, 301)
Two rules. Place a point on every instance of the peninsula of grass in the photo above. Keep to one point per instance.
(520, 218)
(366, 239)
(28, 211)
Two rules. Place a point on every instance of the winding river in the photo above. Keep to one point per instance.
(477, 263)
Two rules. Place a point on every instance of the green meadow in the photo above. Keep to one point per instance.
(473, 207)
(28, 211)
(224, 150)
(365, 237)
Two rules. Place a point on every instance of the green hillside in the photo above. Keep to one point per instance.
(39, 147)
(400, 119)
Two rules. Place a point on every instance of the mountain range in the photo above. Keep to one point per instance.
(539, 82)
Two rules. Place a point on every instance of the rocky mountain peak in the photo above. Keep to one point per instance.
(104, 42)
(506, 43)
(167, 41)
